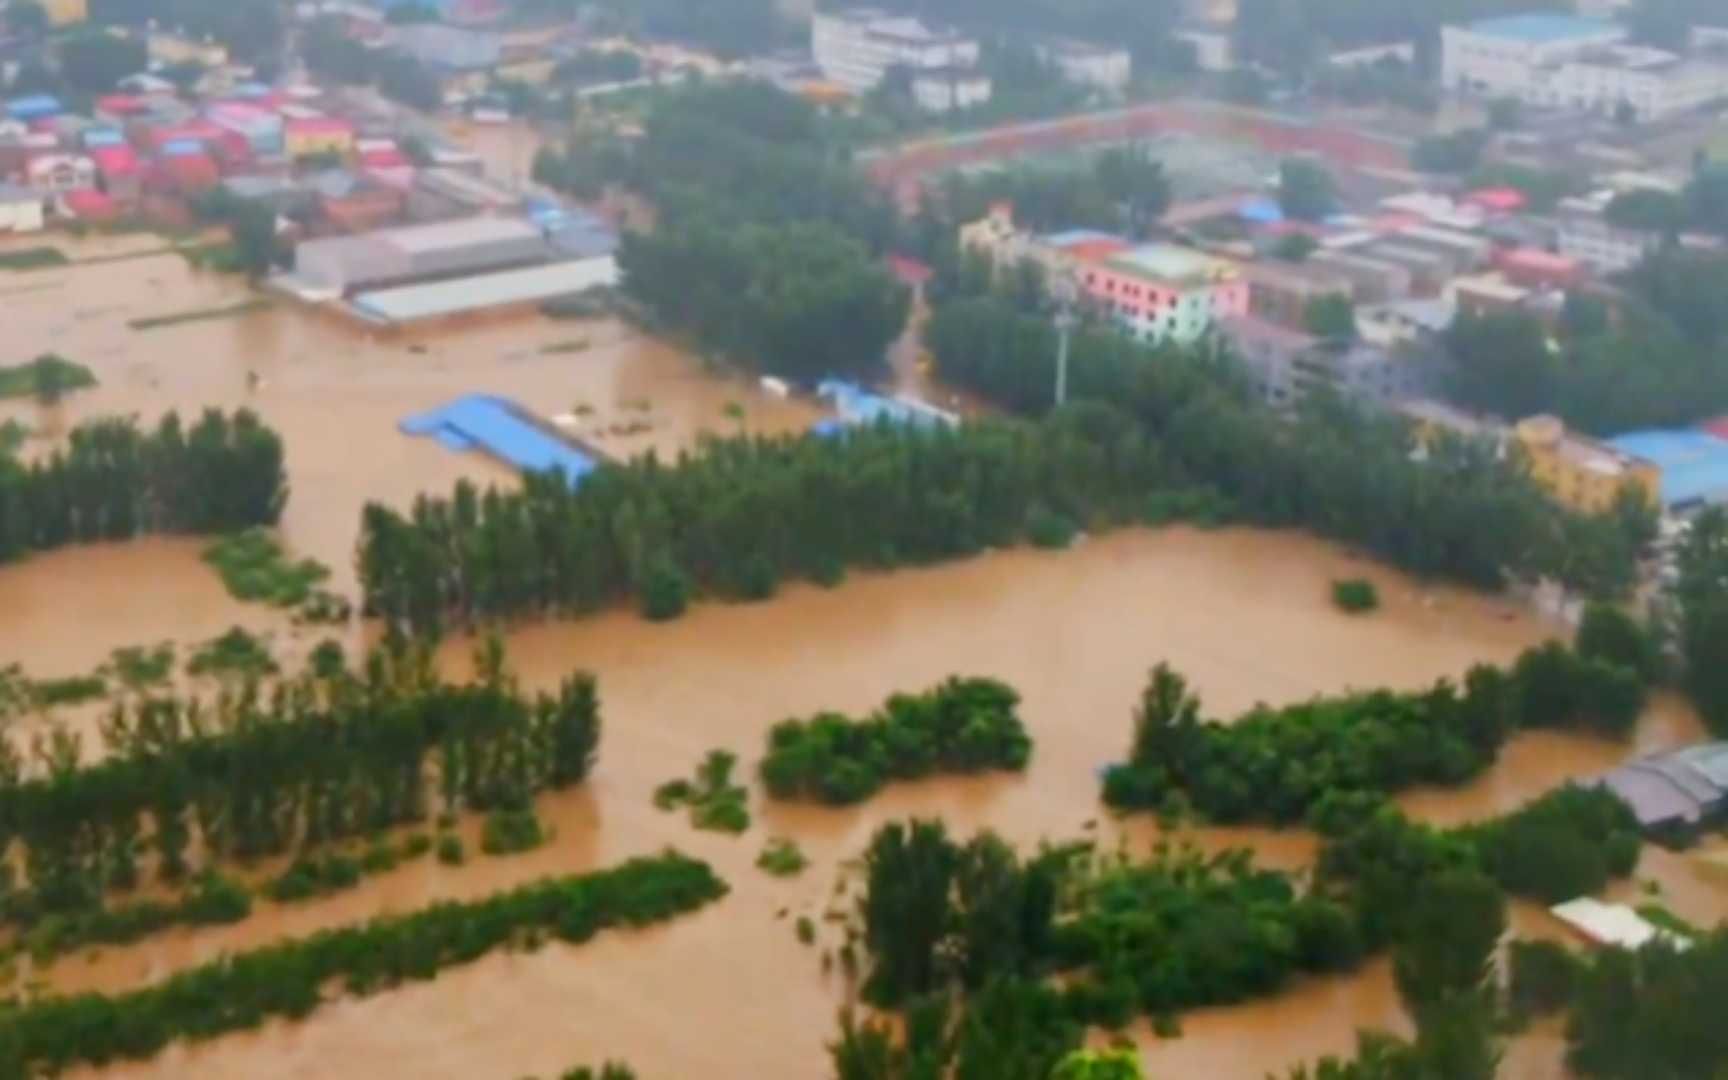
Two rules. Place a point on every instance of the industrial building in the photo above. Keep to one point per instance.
(1679, 789)
(484, 292)
(342, 265)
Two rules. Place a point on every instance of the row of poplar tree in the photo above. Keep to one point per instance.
(257, 772)
(115, 481)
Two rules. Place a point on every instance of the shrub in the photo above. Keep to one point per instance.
(959, 726)
(1542, 978)
(1566, 844)
(1355, 596)
(782, 858)
(450, 849)
(664, 592)
(508, 832)
(216, 899)
(715, 802)
(1048, 529)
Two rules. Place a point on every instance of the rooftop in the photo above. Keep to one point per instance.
(1173, 265)
(1694, 464)
(477, 293)
(467, 232)
(1541, 28)
(1682, 785)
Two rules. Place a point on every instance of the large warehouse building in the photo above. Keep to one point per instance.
(345, 264)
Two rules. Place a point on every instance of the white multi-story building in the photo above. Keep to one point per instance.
(1506, 56)
(1107, 67)
(947, 89)
(855, 47)
(1564, 61)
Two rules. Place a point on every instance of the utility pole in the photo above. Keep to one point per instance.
(1063, 291)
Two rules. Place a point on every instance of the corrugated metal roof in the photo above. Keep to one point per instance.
(413, 302)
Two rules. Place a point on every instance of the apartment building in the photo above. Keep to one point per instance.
(855, 47)
(1565, 61)
(1582, 473)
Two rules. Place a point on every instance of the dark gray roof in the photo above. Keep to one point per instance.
(1681, 786)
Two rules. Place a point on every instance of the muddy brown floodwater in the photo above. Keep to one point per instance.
(728, 992)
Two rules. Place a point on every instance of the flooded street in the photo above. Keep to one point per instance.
(727, 992)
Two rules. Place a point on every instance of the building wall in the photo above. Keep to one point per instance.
(942, 93)
(1212, 51)
(1580, 473)
(66, 12)
(851, 52)
(1156, 312)
(21, 216)
(1493, 65)
(1105, 69)
(299, 142)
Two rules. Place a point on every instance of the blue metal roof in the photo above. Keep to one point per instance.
(503, 429)
(1538, 28)
(1694, 464)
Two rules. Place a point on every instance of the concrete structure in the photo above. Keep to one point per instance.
(1586, 236)
(1681, 788)
(484, 292)
(1213, 46)
(1372, 281)
(1395, 52)
(1280, 292)
(66, 12)
(1404, 323)
(20, 209)
(941, 90)
(169, 49)
(1284, 365)
(303, 136)
(1160, 292)
(1106, 67)
(53, 173)
(1615, 925)
(855, 47)
(1693, 464)
(418, 253)
(1579, 472)
(1565, 61)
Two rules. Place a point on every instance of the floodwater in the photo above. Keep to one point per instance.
(336, 393)
(729, 991)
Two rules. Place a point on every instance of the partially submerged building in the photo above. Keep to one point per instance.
(341, 265)
(1680, 789)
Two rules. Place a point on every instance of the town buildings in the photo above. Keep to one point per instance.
(856, 48)
(1162, 292)
(1566, 61)
(1105, 67)
(1284, 365)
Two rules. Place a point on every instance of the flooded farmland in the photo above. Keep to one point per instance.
(729, 991)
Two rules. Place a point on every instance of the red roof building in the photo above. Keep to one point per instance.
(1499, 200)
(89, 205)
(185, 174)
(1533, 268)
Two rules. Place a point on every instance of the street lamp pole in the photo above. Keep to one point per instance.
(1064, 294)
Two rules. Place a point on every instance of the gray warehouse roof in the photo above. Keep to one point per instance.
(1685, 786)
(469, 246)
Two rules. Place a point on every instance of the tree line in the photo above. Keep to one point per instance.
(114, 481)
(959, 726)
(1700, 600)
(1284, 765)
(290, 979)
(315, 759)
(1454, 511)
(744, 515)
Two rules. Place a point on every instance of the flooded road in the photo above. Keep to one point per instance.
(1244, 614)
